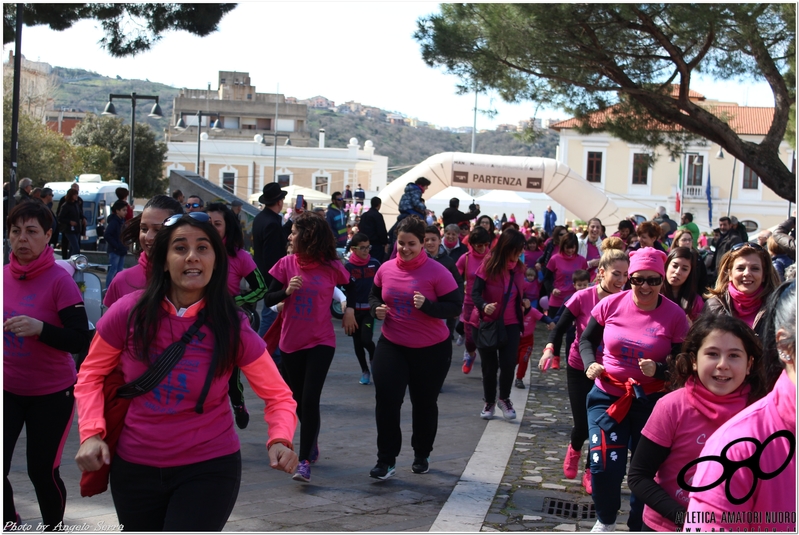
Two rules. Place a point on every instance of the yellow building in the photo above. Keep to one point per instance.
(622, 171)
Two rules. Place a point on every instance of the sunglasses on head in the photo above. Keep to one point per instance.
(193, 205)
(651, 281)
(741, 245)
(202, 217)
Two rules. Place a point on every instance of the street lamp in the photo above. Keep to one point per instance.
(155, 113)
(180, 125)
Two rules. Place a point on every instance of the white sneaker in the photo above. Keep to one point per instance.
(488, 411)
(599, 526)
(459, 340)
(507, 409)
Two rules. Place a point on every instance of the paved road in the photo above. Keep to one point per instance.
(485, 476)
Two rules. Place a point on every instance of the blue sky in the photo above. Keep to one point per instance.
(361, 51)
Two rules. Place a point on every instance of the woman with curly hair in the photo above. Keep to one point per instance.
(241, 266)
(305, 280)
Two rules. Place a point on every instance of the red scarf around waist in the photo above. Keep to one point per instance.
(618, 411)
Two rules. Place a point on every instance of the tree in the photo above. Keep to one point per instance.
(129, 28)
(113, 135)
(94, 160)
(44, 155)
(623, 59)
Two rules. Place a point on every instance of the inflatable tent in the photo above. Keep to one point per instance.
(508, 173)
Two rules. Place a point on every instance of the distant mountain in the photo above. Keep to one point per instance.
(405, 146)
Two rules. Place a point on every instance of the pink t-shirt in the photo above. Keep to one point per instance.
(580, 305)
(773, 499)
(168, 409)
(531, 257)
(494, 292)
(563, 269)
(239, 267)
(406, 325)
(532, 289)
(125, 282)
(699, 306)
(592, 254)
(307, 319)
(632, 334)
(30, 367)
(529, 320)
(469, 263)
(675, 423)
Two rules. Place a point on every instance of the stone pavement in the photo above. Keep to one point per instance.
(341, 496)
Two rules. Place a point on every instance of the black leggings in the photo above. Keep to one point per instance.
(502, 360)
(362, 338)
(47, 420)
(306, 370)
(420, 370)
(578, 386)
(193, 497)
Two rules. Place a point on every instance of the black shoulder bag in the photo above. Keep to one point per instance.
(491, 334)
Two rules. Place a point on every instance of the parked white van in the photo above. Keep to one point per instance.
(98, 197)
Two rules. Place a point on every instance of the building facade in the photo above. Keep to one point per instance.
(243, 167)
(237, 111)
(623, 171)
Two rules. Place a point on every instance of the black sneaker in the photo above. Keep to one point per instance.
(382, 471)
(242, 416)
(519, 383)
(420, 466)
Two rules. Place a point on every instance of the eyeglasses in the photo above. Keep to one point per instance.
(365, 248)
(741, 245)
(193, 205)
(651, 281)
(202, 217)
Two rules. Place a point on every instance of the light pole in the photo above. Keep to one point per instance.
(155, 113)
(180, 125)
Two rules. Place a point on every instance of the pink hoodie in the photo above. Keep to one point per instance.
(772, 506)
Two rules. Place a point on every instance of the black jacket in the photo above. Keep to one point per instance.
(374, 226)
(453, 216)
(725, 243)
(112, 235)
(269, 240)
(70, 212)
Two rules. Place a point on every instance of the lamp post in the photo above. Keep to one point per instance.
(155, 113)
(180, 125)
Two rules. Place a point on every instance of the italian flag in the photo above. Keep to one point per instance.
(679, 190)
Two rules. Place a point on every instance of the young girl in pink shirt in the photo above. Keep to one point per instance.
(142, 229)
(305, 280)
(560, 268)
(479, 240)
(766, 431)
(241, 266)
(716, 375)
(182, 427)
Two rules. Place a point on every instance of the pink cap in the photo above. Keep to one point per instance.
(648, 259)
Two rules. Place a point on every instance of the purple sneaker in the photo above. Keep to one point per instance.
(303, 472)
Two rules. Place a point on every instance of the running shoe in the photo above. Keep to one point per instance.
(468, 362)
(587, 482)
(555, 363)
(420, 465)
(600, 527)
(242, 416)
(459, 340)
(507, 409)
(519, 383)
(365, 377)
(382, 471)
(488, 411)
(571, 462)
(303, 472)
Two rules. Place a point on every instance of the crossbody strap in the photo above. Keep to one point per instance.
(164, 364)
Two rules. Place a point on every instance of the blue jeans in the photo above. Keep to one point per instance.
(608, 452)
(74, 243)
(268, 317)
(117, 264)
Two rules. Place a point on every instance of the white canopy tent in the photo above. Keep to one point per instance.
(506, 173)
(440, 201)
(504, 202)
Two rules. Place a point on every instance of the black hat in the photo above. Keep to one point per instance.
(272, 194)
(236, 203)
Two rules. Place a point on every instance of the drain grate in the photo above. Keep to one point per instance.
(567, 509)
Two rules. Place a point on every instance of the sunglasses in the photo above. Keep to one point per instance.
(651, 281)
(741, 245)
(339, 199)
(193, 205)
(202, 217)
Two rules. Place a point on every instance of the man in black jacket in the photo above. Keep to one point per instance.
(269, 240)
(724, 243)
(453, 216)
(374, 226)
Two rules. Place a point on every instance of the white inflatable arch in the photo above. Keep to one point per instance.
(511, 173)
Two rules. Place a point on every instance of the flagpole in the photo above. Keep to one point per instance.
(682, 184)
(732, 182)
